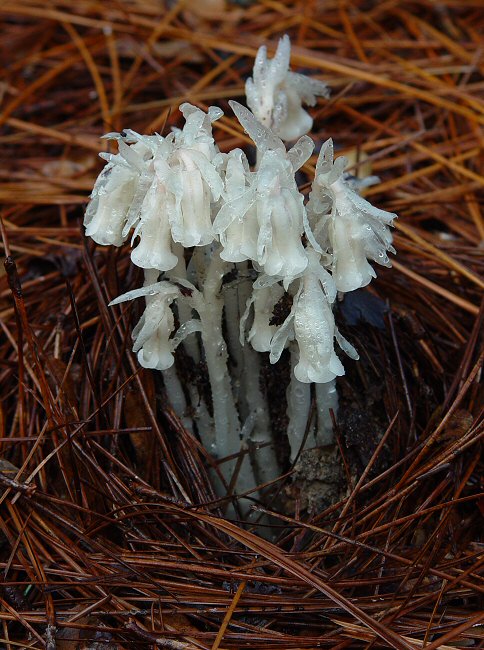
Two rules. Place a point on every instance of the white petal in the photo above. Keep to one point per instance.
(261, 332)
(164, 288)
(346, 346)
(354, 232)
(263, 137)
(189, 327)
(154, 248)
(300, 152)
(111, 199)
(275, 95)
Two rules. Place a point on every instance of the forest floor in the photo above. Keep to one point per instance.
(110, 538)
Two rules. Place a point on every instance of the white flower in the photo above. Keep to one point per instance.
(266, 201)
(197, 131)
(163, 187)
(191, 176)
(184, 186)
(110, 200)
(280, 212)
(154, 247)
(345, 224)
(195, 186)
(152, 333)
(311, 324)
(264, 299)
(275, 95)
(116, 191)
(236, 222)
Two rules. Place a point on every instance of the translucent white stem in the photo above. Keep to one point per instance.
(227, 426)
(326, 399)
(226, 420)
(232, 319)
(176, 396)
(151, 276)
(184, 309)
(265, 461)
(298, 407)
(252, 403)
(191, 344)
(173, 387)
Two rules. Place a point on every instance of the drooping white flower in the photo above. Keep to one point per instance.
(110, 200)
(345, 224)
(264, 299)
(280, 212)
(311, 324)
(197, 130)
(314, 331)
(236, 222)
(154, 249)
(118, 190)
(152, 333)
(275, 95)
(164, 188)
(192, 178)
(267, 200)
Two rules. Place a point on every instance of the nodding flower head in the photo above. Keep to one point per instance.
(345, 224)
(280, 211)
(236, 222)
(153, 231)
(197, 131)
(264, 298)
(266, 205)
(164, 188)
(181, 188)
(275, 95)
(119, 188)
(311, 324)
(152, 333)
(192, 178)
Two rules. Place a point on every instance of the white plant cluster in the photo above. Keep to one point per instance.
(194, 214)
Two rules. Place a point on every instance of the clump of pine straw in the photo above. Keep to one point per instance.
(110, 536)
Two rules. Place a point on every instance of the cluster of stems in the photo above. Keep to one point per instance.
(239, 265)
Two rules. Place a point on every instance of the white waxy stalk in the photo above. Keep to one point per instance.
(298, 397)
(176, 396)
(201, 416)
(184, 309)
(248, 388)
(326, 400)
(267, 467)
(209, 306)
